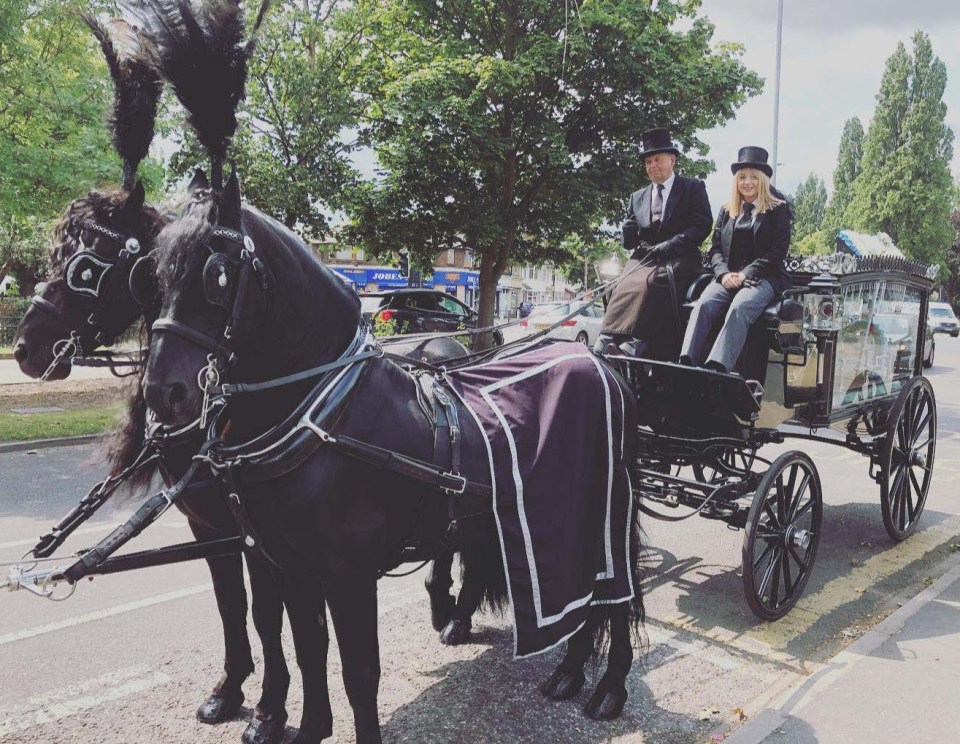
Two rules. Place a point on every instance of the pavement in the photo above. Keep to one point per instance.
(897, 683)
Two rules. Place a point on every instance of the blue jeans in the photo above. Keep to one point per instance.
(741, 306)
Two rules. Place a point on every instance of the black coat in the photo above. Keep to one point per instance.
(642, 305)
(685, 224)
(761, 257)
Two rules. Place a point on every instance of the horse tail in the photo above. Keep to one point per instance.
(483, 563)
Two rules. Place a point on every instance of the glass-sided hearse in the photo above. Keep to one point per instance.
(838, 360)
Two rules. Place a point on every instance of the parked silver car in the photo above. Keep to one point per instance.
(584, 327)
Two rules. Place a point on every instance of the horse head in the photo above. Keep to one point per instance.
(101, 237)
(88, 301)
(244, 299)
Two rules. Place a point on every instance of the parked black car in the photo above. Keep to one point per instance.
(420, 311)
(524, 308)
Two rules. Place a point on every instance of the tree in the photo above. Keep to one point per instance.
(292, 147)
(809, 207)
(54, 144)
(849, 155)
(580, 257)
(904, 187)
(507, 126)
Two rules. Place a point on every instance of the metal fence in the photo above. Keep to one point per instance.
(11, 313)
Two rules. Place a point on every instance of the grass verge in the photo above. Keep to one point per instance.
(20, 427)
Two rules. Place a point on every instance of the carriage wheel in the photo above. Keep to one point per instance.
(782, 535)
(906, 458)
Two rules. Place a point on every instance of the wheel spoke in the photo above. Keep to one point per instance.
(802, 510)
(766, 551)
(775, 581)
(923, 422)
(916, 487)
(787, 581)
(773, 517)
(781, 500)
(798, 495)
(767, 575)
(923, 444)
(801, 560)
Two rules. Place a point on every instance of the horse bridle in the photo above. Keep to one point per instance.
(89, 274)
(221, 351)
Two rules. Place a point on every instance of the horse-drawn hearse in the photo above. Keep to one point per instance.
(836, 360)
(286, 431)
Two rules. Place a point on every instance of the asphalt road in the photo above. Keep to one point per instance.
(128, 658)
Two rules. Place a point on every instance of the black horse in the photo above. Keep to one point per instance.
(59, 313)
(244, 299)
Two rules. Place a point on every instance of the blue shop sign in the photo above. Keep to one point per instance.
(389, 278)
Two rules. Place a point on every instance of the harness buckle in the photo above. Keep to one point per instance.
(455, 476)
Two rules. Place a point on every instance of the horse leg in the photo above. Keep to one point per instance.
(568, 678)
(608, 699)
(438, 583)
(227, 573)
(270, 714)
(457, 630)
(352, 598)
(308, 620)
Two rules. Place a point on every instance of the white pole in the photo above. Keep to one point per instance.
(776, 90)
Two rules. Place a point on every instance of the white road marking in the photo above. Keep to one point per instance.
(57, 704)
(104, 528)
(71, 622)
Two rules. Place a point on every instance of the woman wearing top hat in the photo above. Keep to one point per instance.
(665, 224)
(750, 242)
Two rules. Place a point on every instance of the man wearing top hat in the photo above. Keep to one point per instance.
(665, 224)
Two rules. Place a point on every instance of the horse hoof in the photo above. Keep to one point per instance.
(605, 706)
(311, 733)
(562, 685)
(220, 707)
(268, 729)
(456, 632)
(441, 610)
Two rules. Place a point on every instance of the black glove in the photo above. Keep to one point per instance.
(656, 252)
(631, 235)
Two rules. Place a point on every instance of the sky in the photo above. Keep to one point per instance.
(832, 61)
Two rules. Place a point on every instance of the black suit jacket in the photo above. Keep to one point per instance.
(763, 256)
(685, 224)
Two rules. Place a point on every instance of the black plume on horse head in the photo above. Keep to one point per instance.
(202, 51)
(137, 88)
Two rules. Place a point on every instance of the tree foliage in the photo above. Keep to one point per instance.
(292, 147)
(506, 126)
(904, 187)
(54, 144)
(809, 207)
(849, 155)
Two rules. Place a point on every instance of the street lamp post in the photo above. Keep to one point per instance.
(776, 90)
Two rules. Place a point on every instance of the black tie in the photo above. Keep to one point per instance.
(745, 223)
(657, 211)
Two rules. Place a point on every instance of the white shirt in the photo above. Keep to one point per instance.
(667, 185)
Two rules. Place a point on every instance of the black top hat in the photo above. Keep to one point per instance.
(657, 140)
(752, 156)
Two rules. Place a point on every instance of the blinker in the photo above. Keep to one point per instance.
(220, 279)
(85, 272)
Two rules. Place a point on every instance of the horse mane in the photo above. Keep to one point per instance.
(199, 48)
(137, 89)
(97, 206)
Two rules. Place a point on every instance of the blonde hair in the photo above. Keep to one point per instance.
(765, 198)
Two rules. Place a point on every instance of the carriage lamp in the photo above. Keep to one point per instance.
(823, 305)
